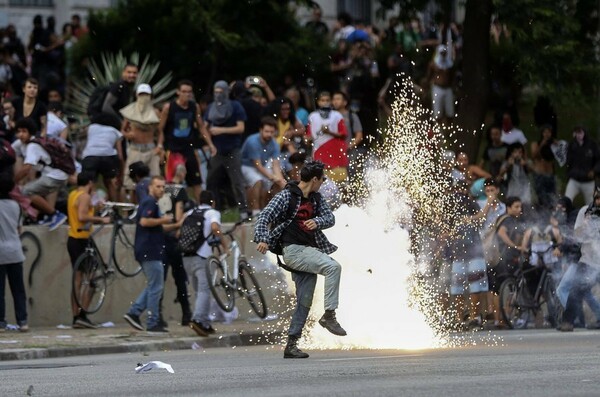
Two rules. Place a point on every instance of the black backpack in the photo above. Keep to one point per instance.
(60, 153)
(7, 154)
(191, 235)
(97, 100)
(277, 248)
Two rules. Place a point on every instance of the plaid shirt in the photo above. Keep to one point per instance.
(275, 216)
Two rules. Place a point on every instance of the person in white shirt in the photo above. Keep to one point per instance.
(51, 180)
(195, 265)
(55, 126)
(510, 133)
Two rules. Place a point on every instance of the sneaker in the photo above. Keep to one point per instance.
(134, 321)
(210, 330)
(82, 321)
(58, 219)
(566, 327)
(46, 220)
(23, 328)
(157, 330)
(200, 329)
(329, 322)
(595, 325)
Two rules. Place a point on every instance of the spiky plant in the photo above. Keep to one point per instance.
(109, 71)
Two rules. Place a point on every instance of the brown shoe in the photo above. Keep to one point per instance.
(566, 327)
(199, 328)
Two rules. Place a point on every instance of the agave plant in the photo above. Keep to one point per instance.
(109, 71)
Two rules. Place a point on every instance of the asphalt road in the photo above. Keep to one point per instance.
(522, 363)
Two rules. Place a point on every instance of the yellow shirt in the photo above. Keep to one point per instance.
(282, 127)
(72, 212)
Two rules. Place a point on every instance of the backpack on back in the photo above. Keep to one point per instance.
(491, 250)
(60, 154)
(97, 100)
(191, 235)
(7, 154)
(277, 248)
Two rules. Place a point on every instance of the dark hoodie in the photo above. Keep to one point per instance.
(581, 159)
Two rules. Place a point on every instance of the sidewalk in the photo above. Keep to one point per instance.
(121, 338)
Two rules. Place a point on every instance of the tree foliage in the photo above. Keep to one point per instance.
(210, 40)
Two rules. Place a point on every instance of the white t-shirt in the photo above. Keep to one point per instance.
(19, 148)
(36, 156)
(101, 141)
(513, 136)
(211, 216)
(54, 125)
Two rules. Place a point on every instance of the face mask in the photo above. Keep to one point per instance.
(324, 112)
(560, 216)
(220, 97)
(507, 125)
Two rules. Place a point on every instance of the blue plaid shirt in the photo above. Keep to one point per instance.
(273, 220)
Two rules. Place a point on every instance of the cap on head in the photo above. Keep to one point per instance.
(143, 89)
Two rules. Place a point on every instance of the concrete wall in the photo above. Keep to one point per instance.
(49, 295)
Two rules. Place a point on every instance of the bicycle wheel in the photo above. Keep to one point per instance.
(551, 302)
(512, 312)
(250, 289)
(32, 249)
(123, 254)
(219, 285)
(89, 283)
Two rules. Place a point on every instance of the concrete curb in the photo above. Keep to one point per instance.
(225, 340)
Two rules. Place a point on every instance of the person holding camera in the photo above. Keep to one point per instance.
(584, 275)
(515, 172)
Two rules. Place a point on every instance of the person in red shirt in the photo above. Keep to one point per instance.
(327, 131)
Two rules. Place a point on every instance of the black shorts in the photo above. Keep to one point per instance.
(76, 247)
(107, 166)
(193, 176)
(500, 272)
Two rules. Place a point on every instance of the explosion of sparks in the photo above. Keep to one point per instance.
(391, 287)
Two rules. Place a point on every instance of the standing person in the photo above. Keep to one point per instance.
(172, 203)
(11, 255)
(354, 138)
(440, 74)
(328, 131)
(80, 212)
(494, 153)
(149, 249)
(29, 106)
(582, 156)
(584, 275)
(225, 120)
(306, 250)
(139, 129)
(509, 231)
(195, 265)
(179, 131)
(515, 171)
(543, 167)
(120, 94)
(510, 133)
(102, 154)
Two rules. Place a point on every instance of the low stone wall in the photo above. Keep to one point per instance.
(48, 295)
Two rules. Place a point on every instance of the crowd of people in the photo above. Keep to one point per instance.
(242, 144)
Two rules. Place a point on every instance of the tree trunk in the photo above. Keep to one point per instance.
(473, 100)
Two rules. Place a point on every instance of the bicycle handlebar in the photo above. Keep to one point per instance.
(236, 225)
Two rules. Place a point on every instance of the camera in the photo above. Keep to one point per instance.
(252, 80)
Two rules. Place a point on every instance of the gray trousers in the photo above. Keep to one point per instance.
(195, 268)
(308, 262)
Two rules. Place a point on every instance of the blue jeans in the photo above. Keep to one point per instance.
(311, 260)
(149, 299)
(305, 289)
(575, 287)
(14, 272)
(195, 268)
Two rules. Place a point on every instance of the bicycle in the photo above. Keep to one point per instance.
(516, 302)
(223, 283)
(91, 273)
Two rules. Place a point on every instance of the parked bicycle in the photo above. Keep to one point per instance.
(96, 274)
(517, 302)
(224, 283)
